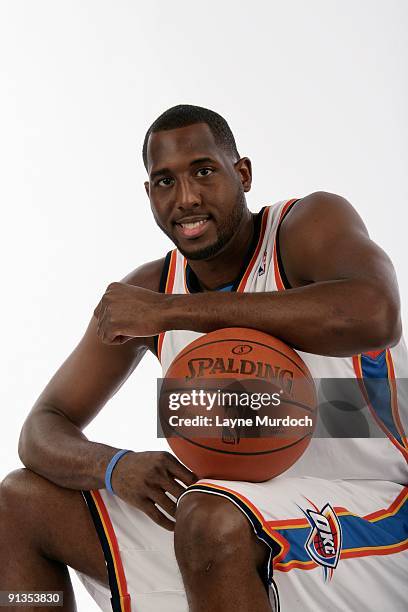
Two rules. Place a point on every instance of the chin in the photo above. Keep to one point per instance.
(203, 252)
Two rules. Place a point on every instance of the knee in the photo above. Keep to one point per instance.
(11, 502)
(210, 529)
(12, 489)
(16, 495)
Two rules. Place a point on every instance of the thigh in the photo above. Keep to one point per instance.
(49, 521)
(340, 544)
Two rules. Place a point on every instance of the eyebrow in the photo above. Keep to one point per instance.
(200, 160)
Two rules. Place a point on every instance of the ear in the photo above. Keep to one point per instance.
(244, 167)
(147, 188)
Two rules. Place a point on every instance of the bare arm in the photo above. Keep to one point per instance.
(344, 302)
(52, 442)
(345, 297)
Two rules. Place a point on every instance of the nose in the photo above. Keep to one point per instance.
(186, 194)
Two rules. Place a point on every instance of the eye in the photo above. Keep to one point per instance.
(204, 172)
(165, 182)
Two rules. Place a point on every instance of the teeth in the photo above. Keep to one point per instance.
(194, 224)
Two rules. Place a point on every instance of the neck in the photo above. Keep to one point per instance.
(226, 265)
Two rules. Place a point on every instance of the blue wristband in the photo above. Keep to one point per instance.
(110, 468)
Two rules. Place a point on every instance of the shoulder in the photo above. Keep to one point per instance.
(322, 214)
(322, 217)
(147, 275)
(318, 229)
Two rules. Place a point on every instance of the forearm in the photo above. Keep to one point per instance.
(54, 447)
(336, 318)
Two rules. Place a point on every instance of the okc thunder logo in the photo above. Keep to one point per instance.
(324, 542)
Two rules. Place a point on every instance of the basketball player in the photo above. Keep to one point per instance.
(330, 533)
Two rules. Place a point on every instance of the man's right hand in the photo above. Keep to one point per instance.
(141, 479)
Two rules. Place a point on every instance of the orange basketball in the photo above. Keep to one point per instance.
(238, 404)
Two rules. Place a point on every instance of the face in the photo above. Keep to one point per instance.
(196, 190)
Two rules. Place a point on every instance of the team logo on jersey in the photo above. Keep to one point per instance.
(324, 542)
(262, 267)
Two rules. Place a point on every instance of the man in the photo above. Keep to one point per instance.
(304, 270)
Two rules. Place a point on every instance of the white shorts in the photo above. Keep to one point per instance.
(335, 544)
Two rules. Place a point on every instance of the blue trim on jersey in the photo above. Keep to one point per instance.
(357, 532)
(375, 375)
(190, 284)
(227, 288)
(374, 367)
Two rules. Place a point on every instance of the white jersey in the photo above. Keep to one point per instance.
(336, 523)
(375, 457)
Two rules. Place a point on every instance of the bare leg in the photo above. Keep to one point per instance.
(44, 528)
(219, 556)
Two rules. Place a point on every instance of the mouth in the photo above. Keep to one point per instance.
(192, 227)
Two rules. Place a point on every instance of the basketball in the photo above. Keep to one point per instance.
(238, 404)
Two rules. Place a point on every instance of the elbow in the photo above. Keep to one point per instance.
(391, 332)
(385, 327)
(372, 324)
(24, 445)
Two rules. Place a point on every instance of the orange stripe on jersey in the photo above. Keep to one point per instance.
(301, 523)
(374, 354)
(113, 545)
(186, 289)
(394, 398)
(350, 553)
(373, 517)
(366, 551)
(171, 274)
(278, 278)
(391, 510)
(347, 553)
(295, 564)
(254, 257)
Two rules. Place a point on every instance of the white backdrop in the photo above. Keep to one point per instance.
(315, 92)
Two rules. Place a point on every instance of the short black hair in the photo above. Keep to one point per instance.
(187, 114)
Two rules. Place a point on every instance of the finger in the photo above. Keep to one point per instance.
(101, 315)
(119, 340)
(166, 503)
(100, 332)
(102, 323)
(113, 336)
(98, 310)
(101, 307)
(179, 471)
(108, 336)
(158, 517)
(172, 486)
